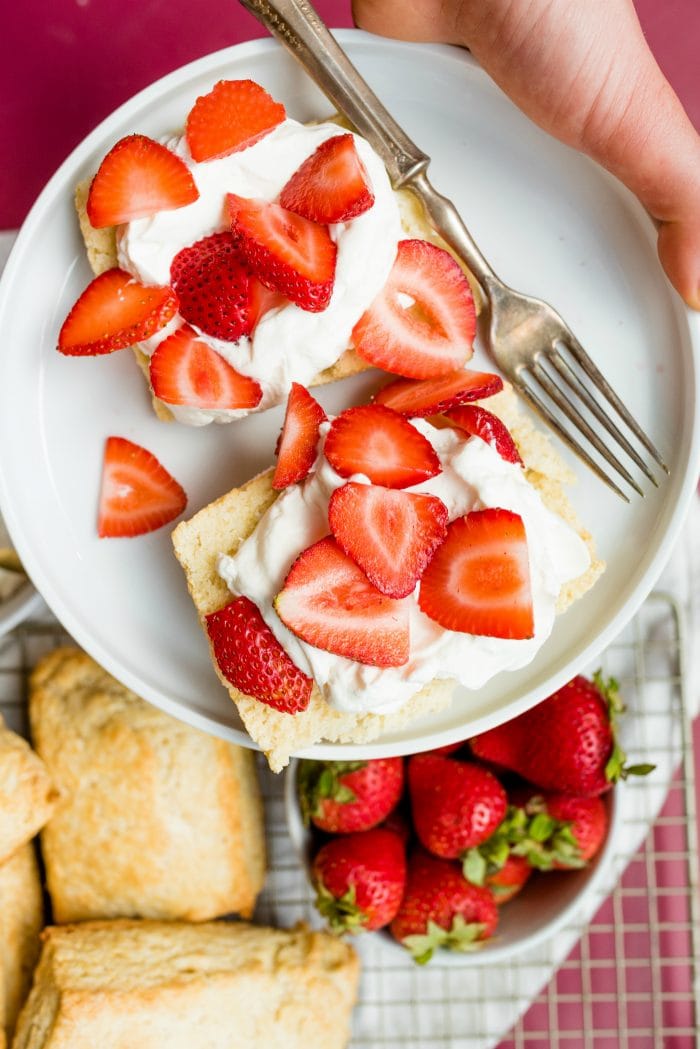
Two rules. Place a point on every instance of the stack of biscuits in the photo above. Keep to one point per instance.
(150, 831)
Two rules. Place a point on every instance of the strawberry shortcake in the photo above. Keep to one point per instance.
(406, 546)
(239, 257)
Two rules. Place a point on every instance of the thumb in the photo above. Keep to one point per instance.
(650, 144)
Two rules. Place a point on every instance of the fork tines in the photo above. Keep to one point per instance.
(556, 372)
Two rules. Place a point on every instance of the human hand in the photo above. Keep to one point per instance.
(584, 73)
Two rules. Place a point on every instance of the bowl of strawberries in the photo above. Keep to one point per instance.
(474, 851)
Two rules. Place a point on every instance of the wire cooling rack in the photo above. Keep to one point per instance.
(628, 973)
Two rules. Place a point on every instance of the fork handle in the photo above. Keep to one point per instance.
(299, 28)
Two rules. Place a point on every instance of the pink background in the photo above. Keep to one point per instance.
(66, 64)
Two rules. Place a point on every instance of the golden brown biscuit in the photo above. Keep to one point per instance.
(221, 527)
(220, 985)
(21, 919)
(156, 819)
(27, 795)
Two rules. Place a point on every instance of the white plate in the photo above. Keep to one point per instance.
(550, 221)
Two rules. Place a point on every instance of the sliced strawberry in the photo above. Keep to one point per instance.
(286, 252)
(115, 311)
(432, 396)
(138, 177)
(422, 324)
(231, 117)
(262, 300)
(252, 660)
(213, 284)
(377, 442)
(184, 370)
(391, 535)
(329, 602)
(332, 185)
(137, 494)
(296, 447)
(478, 582)
(480, 422)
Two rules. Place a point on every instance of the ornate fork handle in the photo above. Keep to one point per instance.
(297, 26)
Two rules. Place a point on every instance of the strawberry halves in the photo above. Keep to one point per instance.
(250, 658)
(286, 252)
(235, 114)
(422, 323)
(137, 493)
(113, 312)
(138, 178)
(332, 185)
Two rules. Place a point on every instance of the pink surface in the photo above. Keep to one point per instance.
(67, 64)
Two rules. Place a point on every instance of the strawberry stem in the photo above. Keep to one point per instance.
(461, 936)
(341, 913)
(615, 768)
(318, 781)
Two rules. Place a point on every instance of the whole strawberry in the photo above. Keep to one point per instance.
(510, 879)
(342, 797)
(360, 880)
(567, 742)
(561, 831)
(440, 908)
(456, 805)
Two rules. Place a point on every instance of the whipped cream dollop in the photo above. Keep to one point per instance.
(289, 344)
(473, 477)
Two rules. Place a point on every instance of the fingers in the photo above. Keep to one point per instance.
(417, 20)
(679, 251)
(585, 74)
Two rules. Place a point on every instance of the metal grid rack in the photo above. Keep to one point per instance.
(628, 978)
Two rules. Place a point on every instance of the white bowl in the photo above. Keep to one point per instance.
(18, 607)
(549, 220)
(546, 904)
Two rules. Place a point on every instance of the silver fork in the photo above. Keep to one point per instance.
(528, 339)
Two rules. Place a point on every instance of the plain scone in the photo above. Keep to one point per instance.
(101, 249)
(21, 919)
(221, 985)
(156, 819)
(221, 527)
(27, 794)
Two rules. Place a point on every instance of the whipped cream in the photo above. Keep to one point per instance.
(289, 344)
(473, 477)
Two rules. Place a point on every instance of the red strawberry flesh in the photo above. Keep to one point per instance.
(137, 494)
(360, 879)
(440, 908)
(342, 797)
(415, 398)
(113, 312)
(328, 602)
(390, 534)
(480, 422)
(139, 177)
(331, 185)
(566, 742)
(479, 580)
(456, 805)
(422, 323)
(296, 447)
(213, 285)
(185, 370)
(377, 442)
(235, 114)
(286, 252)
(250, 658)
